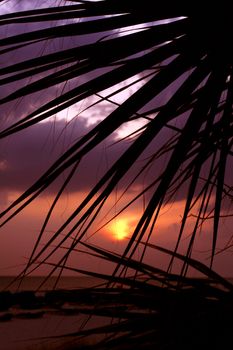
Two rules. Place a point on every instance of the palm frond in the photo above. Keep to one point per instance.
(190, 65)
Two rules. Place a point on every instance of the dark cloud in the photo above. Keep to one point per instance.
(26, 155)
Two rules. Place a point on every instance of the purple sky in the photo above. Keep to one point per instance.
(25, 156)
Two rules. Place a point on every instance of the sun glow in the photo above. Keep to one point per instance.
(120, 229)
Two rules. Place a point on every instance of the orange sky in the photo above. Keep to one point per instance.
(19, 235)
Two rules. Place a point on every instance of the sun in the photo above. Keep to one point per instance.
(120, 229)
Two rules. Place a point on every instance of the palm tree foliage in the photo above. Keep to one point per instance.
(186, 53)
(182, 55)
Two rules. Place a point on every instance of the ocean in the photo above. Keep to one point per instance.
(21, 333)
(32, 283)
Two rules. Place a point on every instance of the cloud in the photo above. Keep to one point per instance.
(20, 108)
(26, 155)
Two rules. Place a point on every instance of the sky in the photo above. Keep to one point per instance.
(26, 155)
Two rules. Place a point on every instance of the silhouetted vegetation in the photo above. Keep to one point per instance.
(182, 56)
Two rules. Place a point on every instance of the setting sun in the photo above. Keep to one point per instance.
(120, 229)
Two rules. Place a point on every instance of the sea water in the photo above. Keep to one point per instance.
(32, 283)
(35, 334)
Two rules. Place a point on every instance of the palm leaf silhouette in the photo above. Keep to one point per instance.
(186, 55)
(182, 57)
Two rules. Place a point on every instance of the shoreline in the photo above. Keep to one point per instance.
(89, 313)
